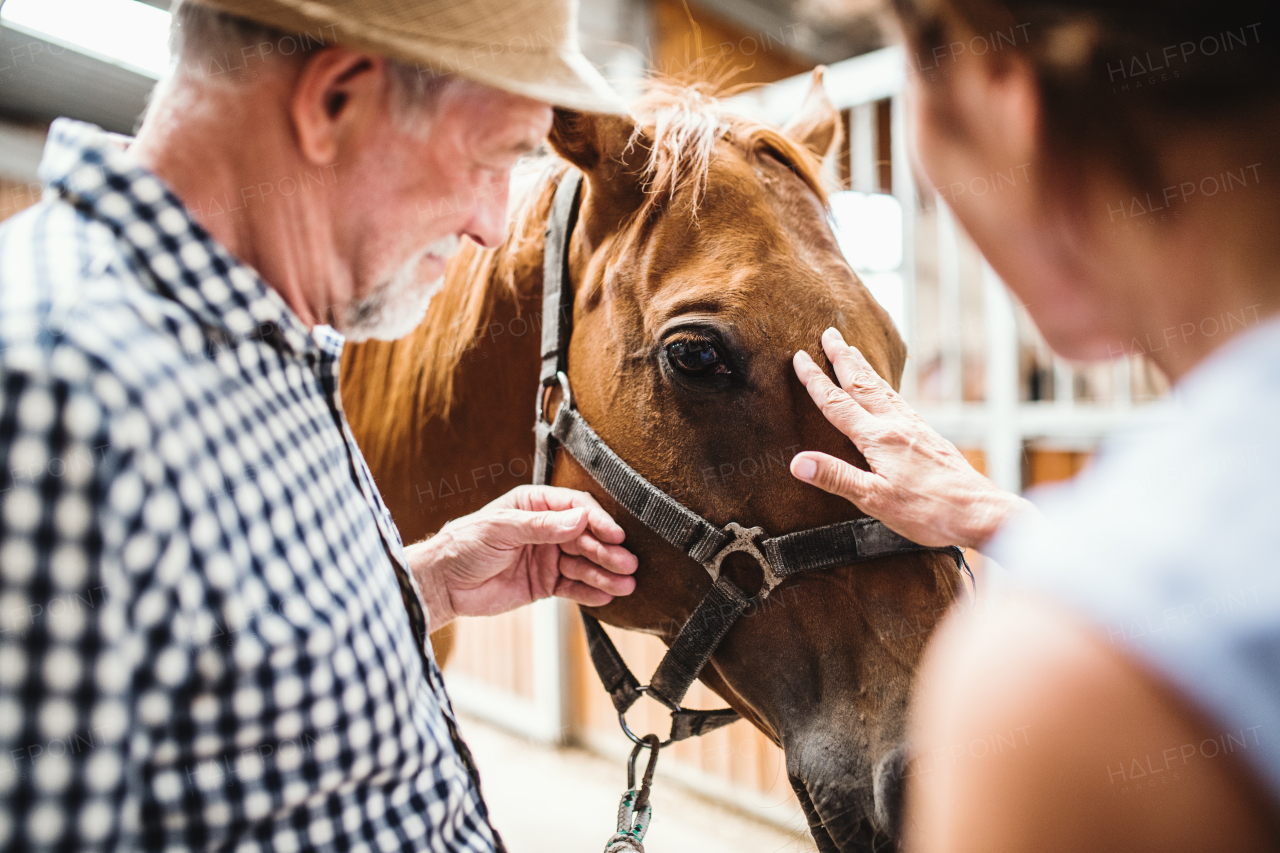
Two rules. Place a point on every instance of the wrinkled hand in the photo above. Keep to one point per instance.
(919, 484)
(531, 543)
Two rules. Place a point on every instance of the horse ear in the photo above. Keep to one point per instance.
(610, 153)
(599, 145)
(817, 127)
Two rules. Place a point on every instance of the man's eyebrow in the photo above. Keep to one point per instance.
(524, 146)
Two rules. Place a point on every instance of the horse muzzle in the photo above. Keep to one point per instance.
(851, 807)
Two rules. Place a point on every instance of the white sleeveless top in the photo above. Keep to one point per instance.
(1169, 543)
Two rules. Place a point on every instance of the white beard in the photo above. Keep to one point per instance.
(395, 307)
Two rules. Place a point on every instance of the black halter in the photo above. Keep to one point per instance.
(780, 557)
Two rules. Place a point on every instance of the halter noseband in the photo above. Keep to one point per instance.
(780, 557)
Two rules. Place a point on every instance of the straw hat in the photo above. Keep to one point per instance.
(527, 47)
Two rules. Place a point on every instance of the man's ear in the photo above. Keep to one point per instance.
(335, 89)
(612, 155)
(817, 126)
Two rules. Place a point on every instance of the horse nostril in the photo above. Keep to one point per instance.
(745, 571)
(887, 784)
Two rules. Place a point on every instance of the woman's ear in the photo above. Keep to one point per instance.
(1012, 101)
(989, 104)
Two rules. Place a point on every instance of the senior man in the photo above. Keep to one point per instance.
(213, 636)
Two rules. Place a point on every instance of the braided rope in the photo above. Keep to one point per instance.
(635, 811)
(633, 823)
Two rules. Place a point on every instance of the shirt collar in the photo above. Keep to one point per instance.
(91, 170)
(329, 340)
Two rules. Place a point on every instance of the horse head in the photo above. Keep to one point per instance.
(702, 259)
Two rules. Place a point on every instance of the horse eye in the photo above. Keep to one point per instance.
(697, 357)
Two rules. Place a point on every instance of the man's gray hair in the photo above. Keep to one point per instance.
(209, 44)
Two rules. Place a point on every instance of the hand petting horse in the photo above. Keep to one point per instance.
(701, 260)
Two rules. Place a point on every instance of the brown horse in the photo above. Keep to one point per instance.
(702, 260)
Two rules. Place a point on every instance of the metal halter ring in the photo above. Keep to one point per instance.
(632, 736)
(565, 389)
(744, 540)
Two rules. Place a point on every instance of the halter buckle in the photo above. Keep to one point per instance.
(744, 540)
(566, 391)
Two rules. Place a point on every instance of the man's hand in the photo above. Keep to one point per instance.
(919, 484)
(533, 542)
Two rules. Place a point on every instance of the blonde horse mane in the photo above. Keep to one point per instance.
(390, 386)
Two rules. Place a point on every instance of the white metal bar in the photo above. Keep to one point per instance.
(870, 77)
(1064, 383)
(863, 79)
(904, 189)
(1083, 423)
(949, 304)
(863, 169)
(568, 618)
(1121, 375)
(1003, 442)
(549, 662)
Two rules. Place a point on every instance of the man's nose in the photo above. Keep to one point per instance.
(488, 224)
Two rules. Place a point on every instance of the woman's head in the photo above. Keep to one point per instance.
(1102, 119)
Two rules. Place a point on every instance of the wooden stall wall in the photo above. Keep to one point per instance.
(496, 651)
(689, 39)
(17, 196)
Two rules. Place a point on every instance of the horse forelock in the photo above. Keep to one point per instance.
(682, 125)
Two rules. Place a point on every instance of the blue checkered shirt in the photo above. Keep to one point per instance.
(208, 636)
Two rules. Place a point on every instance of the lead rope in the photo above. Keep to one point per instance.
(635, 810)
